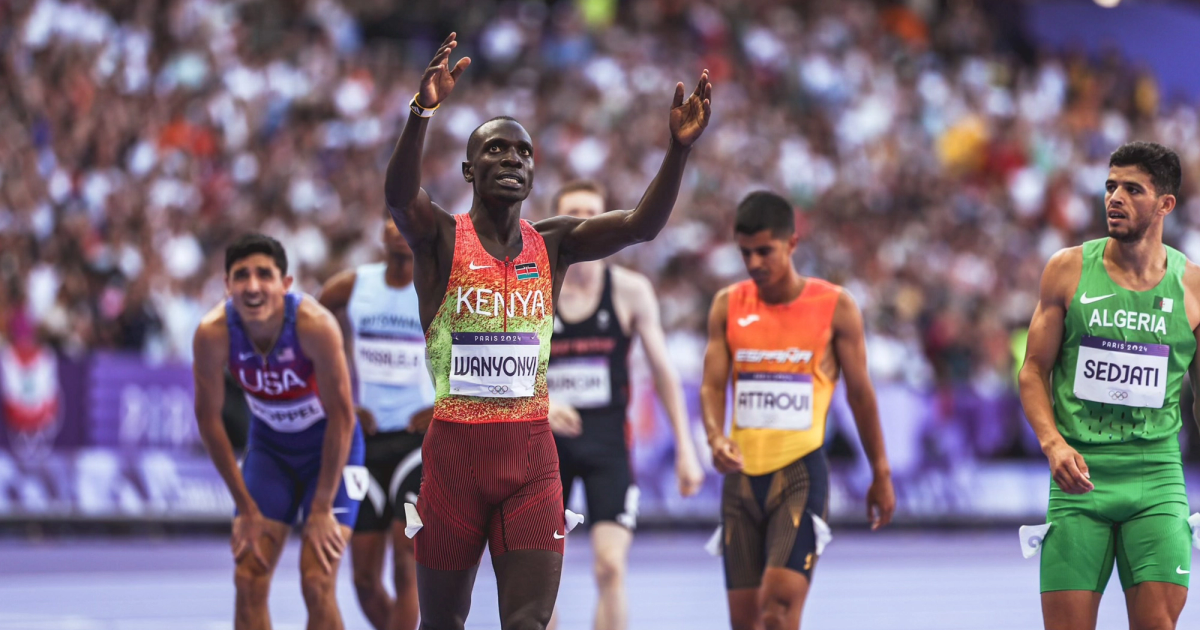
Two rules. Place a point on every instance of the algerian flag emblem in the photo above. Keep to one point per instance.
(1164, 304)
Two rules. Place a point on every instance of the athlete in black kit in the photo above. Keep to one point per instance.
(599, 311)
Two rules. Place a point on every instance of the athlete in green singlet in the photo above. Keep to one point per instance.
(1114, 331)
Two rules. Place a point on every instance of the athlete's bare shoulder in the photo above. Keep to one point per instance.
(1191, 292)
(631, 284)
(312, 316)
(1060, 279)
(336, 292)
(210, 344)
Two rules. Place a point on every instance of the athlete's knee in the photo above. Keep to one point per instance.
(778, 611)
(745, 621)
(1160, 621)
(317, 585)
(367, 582)
(252, 579)
(609, 570)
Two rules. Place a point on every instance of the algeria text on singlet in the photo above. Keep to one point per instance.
(1124, 355)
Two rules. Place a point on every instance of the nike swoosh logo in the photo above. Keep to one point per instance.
(473, 266)
(1084, 299)
(340, 510)
(747, 320)
(558, 536)
(1180, 571)
(245, 355)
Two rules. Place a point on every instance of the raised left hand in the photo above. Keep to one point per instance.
(324, 533)
(690, 117)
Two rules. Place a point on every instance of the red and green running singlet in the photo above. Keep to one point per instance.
(489, 343)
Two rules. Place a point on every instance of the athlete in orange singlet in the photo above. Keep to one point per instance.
(486, 283)
(784, 339)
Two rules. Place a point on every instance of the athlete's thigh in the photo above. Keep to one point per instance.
(743, 536)
(783, 594)
(611, 493)
(269, 478)
(610, 543)
(1079, 548)
(1070, 610)
(527, 585)
(270, 547)
(310, 562)
(532, 516)
(791, 541)
(453, 514)
(1155, 544)
(1155, 604)
(367, 551)
(352, 487)
(381, 460)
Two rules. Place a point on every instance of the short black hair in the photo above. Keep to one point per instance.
(765, 210)
(473, 140)
(1155, 160)
(255, 243)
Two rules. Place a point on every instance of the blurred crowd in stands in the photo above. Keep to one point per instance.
(934, 164)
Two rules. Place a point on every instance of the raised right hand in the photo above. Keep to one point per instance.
(1069, 470)
(727, 457)
(247, 531)
(565, 420)
(439, 79)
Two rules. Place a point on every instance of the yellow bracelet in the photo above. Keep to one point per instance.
(419, 110)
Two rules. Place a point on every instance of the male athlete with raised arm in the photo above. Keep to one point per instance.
(1113, 334)
(486, 283)
(784, 339)
(377, 307)
(599, 311)
(305, 452)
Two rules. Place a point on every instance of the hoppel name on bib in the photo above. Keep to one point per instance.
(386, 360)
(288, 416)
(1119, 372)
(494, 365)
(774, 400)
(583, 383)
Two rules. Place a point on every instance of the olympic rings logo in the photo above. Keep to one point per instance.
(497, 389)
(1118, 394)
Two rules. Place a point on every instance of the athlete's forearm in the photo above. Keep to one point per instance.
(870, 431)
(1034, 385)
(670, 392)
(220, 450)
(339, 430)
(402, 182)
(652, 212)
(712, 410)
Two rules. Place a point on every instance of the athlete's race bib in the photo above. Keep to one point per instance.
(1121, 372)
(774, 400)
(583, 383)
(494, 365)
(288, 416)
(389, 361)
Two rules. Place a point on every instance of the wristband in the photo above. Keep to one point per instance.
(422, 112)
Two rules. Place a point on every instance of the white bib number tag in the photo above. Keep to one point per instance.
(1121, 372)
(583, 383)
(494, 365)
(287, 417)
(389, 361)
(774, 400)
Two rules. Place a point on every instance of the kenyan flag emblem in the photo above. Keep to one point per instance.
(1163, 304)
(528, 271)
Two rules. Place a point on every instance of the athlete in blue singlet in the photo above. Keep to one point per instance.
(377, 306)
(305, 453)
